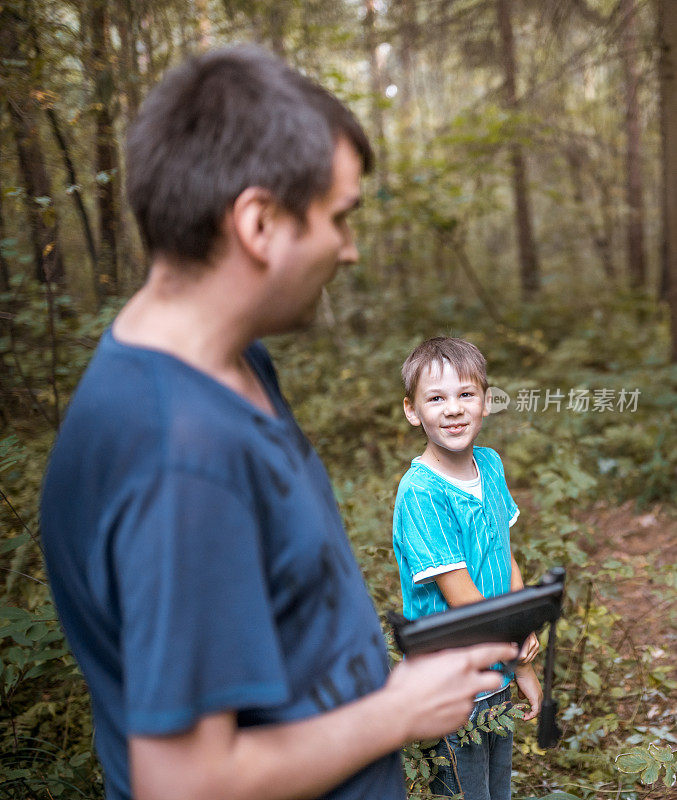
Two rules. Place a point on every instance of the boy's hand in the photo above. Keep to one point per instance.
(529, 686)
(529, 649)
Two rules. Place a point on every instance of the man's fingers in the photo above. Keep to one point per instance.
(488, 681)
(484, 655)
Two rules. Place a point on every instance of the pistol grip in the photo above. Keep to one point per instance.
(548, 730)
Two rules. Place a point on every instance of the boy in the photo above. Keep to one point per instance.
(451, 535)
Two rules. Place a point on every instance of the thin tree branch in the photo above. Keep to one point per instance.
(34, 538)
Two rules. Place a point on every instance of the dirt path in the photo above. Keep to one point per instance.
(648, 543)
(645, 600)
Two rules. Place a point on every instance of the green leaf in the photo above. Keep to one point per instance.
(37, 671)
(593, 680)
(37, 631)
(474, 735)
(663, 754)
(669, 777)
(11, 544)
(14, 774)
(13, 612)
(650, 774)
(428, 744)
(506, 722)
(558, 796)
(79, 759)
(632, 762)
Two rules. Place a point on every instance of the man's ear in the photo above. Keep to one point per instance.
(252, 220)
(487, 403)
(410, 413)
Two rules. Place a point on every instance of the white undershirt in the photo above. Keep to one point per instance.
(473, 486)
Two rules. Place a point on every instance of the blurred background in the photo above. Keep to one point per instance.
(525, 198)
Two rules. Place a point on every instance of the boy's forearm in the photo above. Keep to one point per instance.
(458, 588)
(516, 582)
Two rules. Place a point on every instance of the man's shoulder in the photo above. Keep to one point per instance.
(155, 412)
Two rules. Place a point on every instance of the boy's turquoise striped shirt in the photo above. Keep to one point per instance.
(438, 525)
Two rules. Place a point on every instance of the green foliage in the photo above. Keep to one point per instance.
(45, 727)
(498, 719)
(649, 763)
(443, 181)
(558, 460)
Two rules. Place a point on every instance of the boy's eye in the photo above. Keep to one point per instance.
(467, 394)
(434, 399)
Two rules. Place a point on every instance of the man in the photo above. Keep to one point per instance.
(194, 547)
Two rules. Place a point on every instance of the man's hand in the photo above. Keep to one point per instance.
(424, 698)
(529, 649)
(437, 690)
(529, 687)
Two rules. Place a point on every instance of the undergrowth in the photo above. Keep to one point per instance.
(342, 379)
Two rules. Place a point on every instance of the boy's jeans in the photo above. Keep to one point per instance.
(483, 769)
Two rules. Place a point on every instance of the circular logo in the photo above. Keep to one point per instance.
(498, 399)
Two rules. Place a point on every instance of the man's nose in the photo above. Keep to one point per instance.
(349, 253)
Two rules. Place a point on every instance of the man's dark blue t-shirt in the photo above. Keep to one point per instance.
(199, 563)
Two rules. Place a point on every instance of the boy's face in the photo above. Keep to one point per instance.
(449, 409)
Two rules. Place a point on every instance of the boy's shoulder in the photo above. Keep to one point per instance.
(417, 477)
(487, 457)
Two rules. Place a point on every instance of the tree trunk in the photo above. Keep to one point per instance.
(4, 266)
(529, 267)
(667, 22)
(377, 91)
(127, 24)
(634, 183)
(200, 11)
(105, 150)
(381, 246)
(42, 219)
(408, 42)
(277, 22)
(598, 235)
(41, 215)
(73, 182)
(74, 187)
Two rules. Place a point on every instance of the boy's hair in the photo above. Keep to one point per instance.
(463, 356)
(222, 122)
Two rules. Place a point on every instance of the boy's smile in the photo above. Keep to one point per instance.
(450, 410)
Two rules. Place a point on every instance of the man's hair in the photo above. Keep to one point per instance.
(463, 356)
(222, 122)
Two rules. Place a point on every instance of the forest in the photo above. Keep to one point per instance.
(524, 197)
